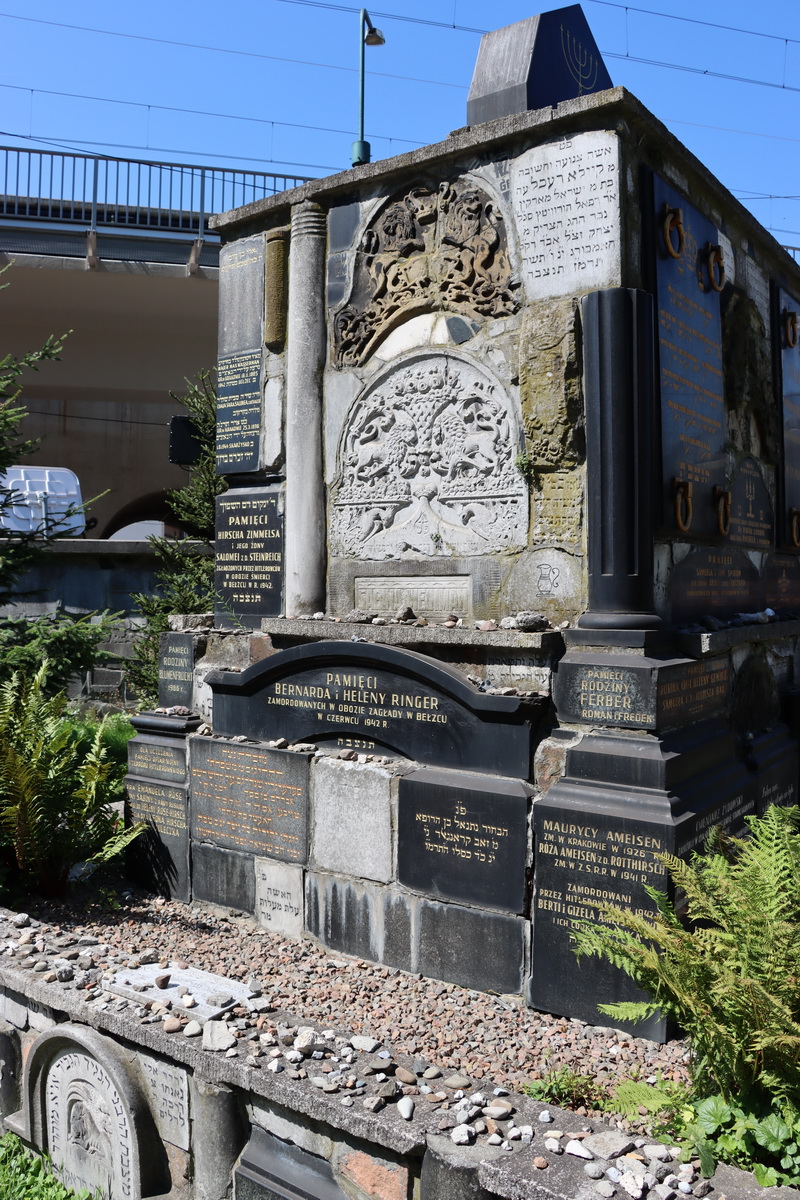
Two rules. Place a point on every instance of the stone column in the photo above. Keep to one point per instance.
(305, 359)
(217, 1138)
(619, 387)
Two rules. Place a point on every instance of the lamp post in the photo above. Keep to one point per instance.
(368, 36)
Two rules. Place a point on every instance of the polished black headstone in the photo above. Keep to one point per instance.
(717, 582)
(630, 692)
(535, 63)
(248, 560)
(598, 833)
(463, 837)
(249, 798)
(396, 701)
(160, 856)
(223, 877)
(238, 413)
(154, 757)
(773, 758)
(473, 948)
(271, 1169)
(176, 670)
(693, 415)
(782, 582)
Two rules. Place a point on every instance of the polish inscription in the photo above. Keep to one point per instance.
(238, 412)
(248, 563)
(566, 198)
(655, 694)
(693, 422)
(159, 804)
(463, 837)
(715, 583)
(157, 758)
(249, 798)
(176, 670)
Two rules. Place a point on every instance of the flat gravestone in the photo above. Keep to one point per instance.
(751, 519)
(169, 1098)
(241, 296)
(161, 853)
(209, 990)
(250, 798)
(566, 198)
(790, 389)
(463, 837)
(613, 689)
(279, 896)
(393, 701)
(248, 560)
(176, 670)
(693, 416)
(717, 583)
(155, 757)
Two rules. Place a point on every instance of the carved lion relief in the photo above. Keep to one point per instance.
(426, 467)
(426, 251)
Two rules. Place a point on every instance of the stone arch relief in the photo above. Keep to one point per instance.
(426, 466)
(426, 250)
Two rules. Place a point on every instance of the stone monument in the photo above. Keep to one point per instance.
(509, 565)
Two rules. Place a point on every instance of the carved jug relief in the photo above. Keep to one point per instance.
(426, 466)
(426, 251)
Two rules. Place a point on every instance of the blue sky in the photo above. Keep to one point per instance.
(272, 84)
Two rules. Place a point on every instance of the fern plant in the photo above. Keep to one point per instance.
(730, 976)
(55, 791)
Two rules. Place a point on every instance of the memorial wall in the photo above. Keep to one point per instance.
(508, 571)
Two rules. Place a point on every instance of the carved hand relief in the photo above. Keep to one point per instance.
(426, 251)
(426, 467)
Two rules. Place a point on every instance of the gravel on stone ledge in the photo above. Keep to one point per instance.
(454, 1028)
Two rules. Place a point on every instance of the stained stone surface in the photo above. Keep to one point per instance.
(279, 896)
(352, 823)
(201, 984)
(169, 1097)
(426, 466)
(566, 198)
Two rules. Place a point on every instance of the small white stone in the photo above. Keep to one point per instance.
(578, 1149)
(526, 1134)
(494, 1139)
(274, 1066)
(405, 1106)
(631, 1184)
(606, 1189)
(462, 1135)
(192, 1029)
(545, 1118)
(553, 1145)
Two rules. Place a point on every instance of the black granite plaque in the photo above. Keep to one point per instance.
(238, 413)
(393, 701)
(716, 583)
(473, 948)
(223, 877)
(773, 758)
(161, 855)
(157, 758)
(693, 419)
(271, 1169)
(463, 837)
(248, 561)
(598, 834)
(790, 388)
(645, 693)
(250, 798)
(176, 670)
(782, 582)
(751, 519)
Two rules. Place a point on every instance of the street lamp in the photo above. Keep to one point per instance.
(368, 36)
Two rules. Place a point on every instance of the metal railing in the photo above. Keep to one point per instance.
(91, 191)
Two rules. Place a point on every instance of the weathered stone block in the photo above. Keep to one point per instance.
(352, 819)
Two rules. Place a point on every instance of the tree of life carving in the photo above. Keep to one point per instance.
(426, 467)
(426, 251)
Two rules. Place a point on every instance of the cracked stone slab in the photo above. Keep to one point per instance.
(203, 985)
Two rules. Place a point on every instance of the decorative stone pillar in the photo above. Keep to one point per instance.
(618, 332)
(305, 359)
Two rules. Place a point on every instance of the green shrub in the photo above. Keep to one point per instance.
(730, 976)
(57, 788)
(25, 1176)
(69, 644)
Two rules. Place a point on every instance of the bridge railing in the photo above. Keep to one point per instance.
(92, 191)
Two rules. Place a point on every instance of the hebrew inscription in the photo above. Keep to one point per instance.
(426, 467)
(426, 251)
(566, 202)
(89, 1134)
(169, 1093)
